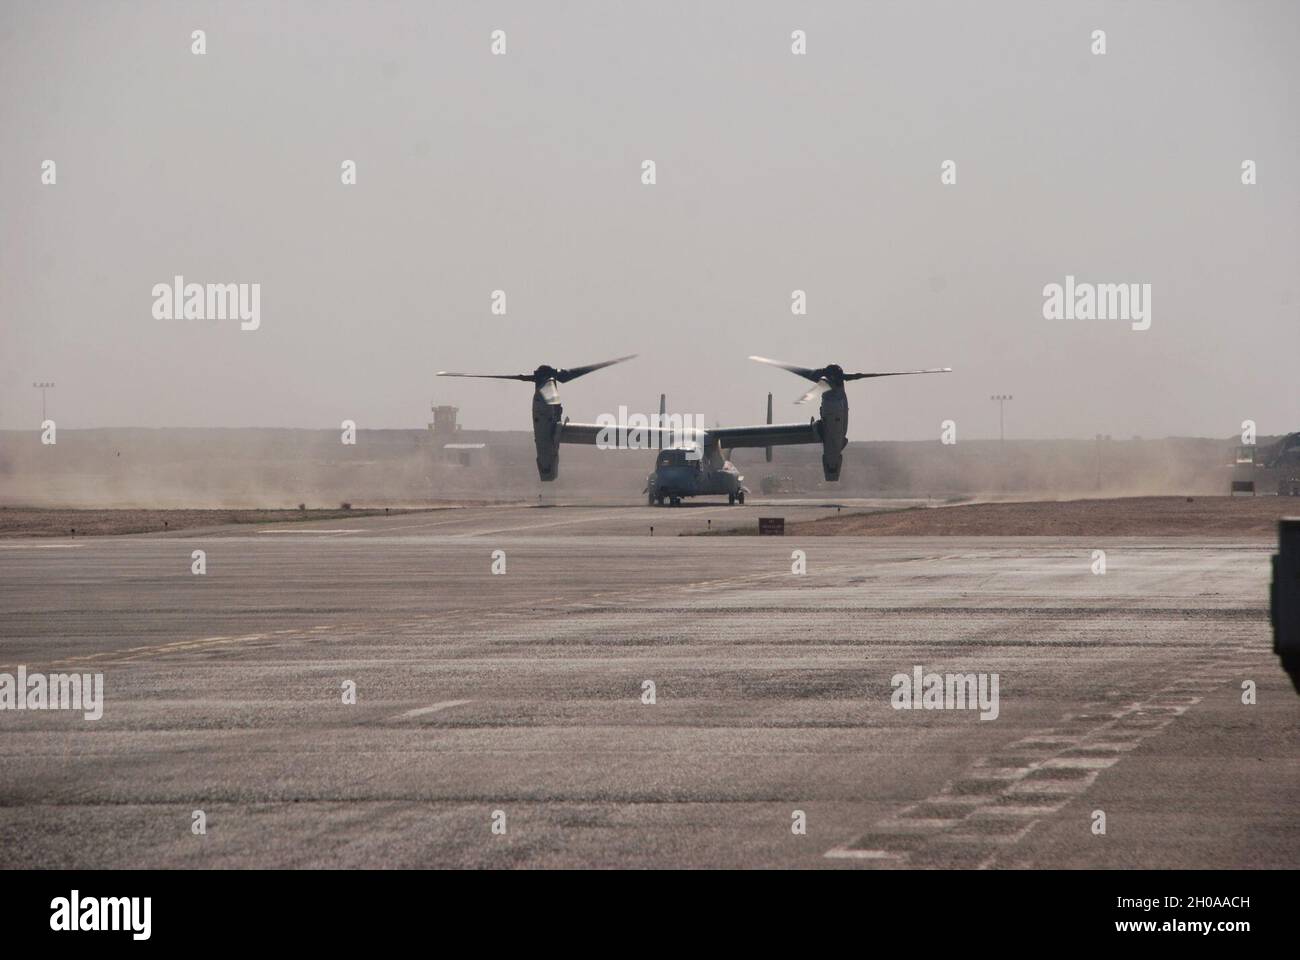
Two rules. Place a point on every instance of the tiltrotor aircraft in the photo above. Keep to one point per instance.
(690, 462)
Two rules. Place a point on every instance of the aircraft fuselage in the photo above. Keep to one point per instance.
(675, 477)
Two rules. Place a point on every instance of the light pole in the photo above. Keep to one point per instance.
(1002, 399)
(43, 386)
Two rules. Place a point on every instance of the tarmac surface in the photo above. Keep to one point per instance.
(485, 698)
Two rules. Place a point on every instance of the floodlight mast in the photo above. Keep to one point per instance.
(1002, 399)
(43, 385)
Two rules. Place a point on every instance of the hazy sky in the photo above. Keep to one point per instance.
(775, 172)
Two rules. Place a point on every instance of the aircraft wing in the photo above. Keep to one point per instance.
(589, 433)
(760, 435)
(579, 433)
(765, 435)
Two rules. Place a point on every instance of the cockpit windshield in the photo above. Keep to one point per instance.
(671, 458)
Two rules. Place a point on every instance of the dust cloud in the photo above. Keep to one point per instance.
(273, 468)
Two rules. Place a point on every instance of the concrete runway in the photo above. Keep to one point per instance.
(522, 693)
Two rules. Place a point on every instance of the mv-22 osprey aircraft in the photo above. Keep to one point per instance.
(690, 462)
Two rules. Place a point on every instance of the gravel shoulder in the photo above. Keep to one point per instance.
(43, 522)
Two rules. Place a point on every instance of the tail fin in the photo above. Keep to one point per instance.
(769, 420)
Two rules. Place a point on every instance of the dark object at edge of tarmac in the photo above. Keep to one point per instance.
(1284, 598)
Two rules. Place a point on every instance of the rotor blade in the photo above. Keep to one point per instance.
(564, 376)
(804, 372)
(821, 387)
(550, 392)
(526, 377)
(896, 373)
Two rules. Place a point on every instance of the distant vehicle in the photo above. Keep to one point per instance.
(706, 471)
(1278, 462)
(1282, 459)
(1243, 471)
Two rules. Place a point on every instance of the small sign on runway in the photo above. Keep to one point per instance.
(771, 526)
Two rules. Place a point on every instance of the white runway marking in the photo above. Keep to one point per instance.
(996, 805)
(434, 708)
(40, 546)
(844, 853)
(331, 530)
(418, 526)
(699, 512)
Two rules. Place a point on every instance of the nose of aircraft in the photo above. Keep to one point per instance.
(675, 477)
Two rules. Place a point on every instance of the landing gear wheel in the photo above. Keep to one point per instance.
(677, 501)
(731, 499)
(740, 498)
(650, 500)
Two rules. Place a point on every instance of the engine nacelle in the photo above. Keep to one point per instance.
(834, 428)
(547, 420)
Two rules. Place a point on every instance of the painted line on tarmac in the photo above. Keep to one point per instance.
(40, 546)
(332, 530)
(539, 526)
(433, 708)
(186, 646)
(137, 654)
(1001, 797)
